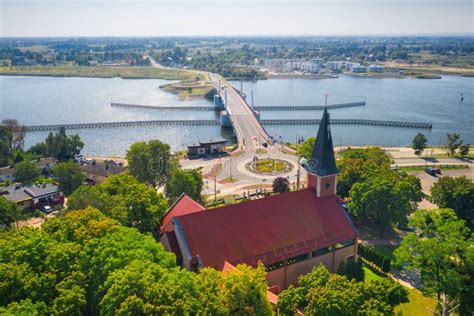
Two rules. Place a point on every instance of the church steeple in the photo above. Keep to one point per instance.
(322, 160)
(322, 170)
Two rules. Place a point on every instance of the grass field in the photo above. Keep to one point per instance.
(418, 303)
(442, 167)
(99, 71)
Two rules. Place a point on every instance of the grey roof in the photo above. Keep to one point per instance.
(40, 190)
(322, 160)
(212, 141)
(14, 193)
(7, 170)
(103, 168)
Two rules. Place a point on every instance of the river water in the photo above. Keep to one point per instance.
(47, 100)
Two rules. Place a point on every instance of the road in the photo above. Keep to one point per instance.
(250, 132)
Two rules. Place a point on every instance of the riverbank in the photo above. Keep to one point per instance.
(191, 89)
(125, 72)
(431, 68)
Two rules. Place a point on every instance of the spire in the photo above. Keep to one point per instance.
(322, 160)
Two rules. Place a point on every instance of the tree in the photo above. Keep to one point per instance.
(355, 162)
(184, 181)
(384, 197)
(419, 143)
(124, 198)
(453, 141)
(323, 293)
(457, 194)
(9, 212)
(150, 162)
(5, 136)
(281, 185)
(305, 149)
(437, 248)
(59, 145)
(352, 268)
(27, 172)
(69, 176)
(16, 135)
(464, 150)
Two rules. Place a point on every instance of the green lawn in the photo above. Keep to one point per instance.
(442, 167)
(418, 304)
(99, 71)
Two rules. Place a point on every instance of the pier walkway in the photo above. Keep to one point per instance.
(258, 108)
(347, 122)
(33, 128)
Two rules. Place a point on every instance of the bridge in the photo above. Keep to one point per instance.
(259, 108)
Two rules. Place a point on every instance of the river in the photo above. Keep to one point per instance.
(48, 100)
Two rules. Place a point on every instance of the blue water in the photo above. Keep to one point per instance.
(434, 101)
(46, 100)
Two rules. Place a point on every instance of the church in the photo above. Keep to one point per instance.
(288, 233)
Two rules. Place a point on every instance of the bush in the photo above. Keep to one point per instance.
(378, 259)
(352, 268)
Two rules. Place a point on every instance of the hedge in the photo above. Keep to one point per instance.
(372, 255)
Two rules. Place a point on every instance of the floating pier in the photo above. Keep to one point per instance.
(53, 127)
(348, 122)
(307, 107)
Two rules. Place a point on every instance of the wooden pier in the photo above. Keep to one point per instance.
(307, 107)
(348, 122)
(34, 128)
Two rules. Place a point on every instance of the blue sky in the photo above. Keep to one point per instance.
(229, 17)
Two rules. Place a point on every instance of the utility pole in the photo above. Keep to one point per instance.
(326, 100)
(241, 87)
(226, 97)
(251, 94)
(298, 177)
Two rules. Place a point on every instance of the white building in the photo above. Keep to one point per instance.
(359, 69)
(335, 65)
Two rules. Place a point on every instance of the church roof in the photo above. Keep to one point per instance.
(270, 230)
(183, 205)
(322, 160)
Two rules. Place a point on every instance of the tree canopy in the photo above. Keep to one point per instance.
(150, 162)
(69, 176)
(26, 172)
(59, 145)
(306, 148)
(281, 185)
(437, 247)
(9, 212)
(384, 197)
(125, 199)
(184, 181)
(323, 293)
(88, 264)
(419, 143)
(457, 194)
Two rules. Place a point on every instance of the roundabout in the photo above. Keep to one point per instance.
(269, 166)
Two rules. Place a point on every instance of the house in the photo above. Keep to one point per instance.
(208, 146)
(8, 173)
(335, 65)
(97, 172)
(32, 196)
(289, 233)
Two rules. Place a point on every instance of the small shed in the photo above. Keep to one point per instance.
(208, 146)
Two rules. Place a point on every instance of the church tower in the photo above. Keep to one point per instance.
(322, 171)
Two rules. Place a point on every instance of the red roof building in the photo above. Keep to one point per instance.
(288, 233)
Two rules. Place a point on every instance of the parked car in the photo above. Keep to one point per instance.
(46, 209)
(431, 171)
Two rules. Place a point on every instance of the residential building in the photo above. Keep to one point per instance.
(208, 146)
(290, 233)
(8, 173)
(335, 65)
(358, 69)
(32, 196)
(376, 68)
(99, 171)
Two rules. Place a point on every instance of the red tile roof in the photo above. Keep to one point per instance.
(183, 205)
(268, 230)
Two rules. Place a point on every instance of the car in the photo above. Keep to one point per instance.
(431, 171)
(46, 209)
(438, 171)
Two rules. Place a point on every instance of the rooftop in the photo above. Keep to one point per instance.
(103, 168)
(183, 205)
(268, 230)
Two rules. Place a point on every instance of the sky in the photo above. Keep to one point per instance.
(62, 18)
